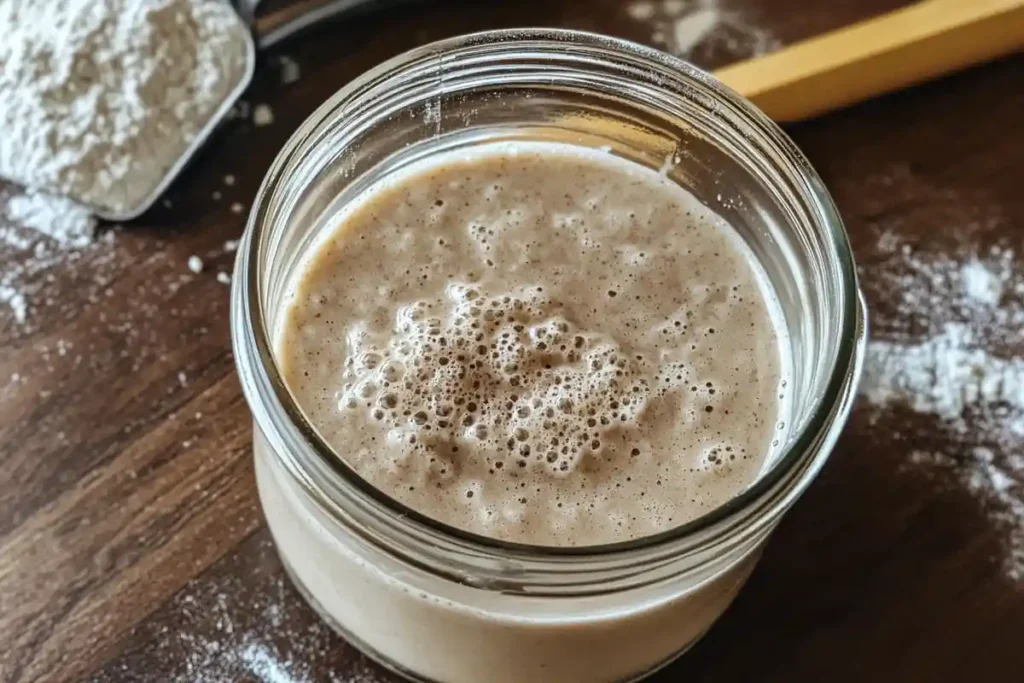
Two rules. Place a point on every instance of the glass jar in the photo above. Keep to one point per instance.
(438, 604)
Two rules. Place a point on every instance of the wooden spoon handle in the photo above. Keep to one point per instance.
(880, 55)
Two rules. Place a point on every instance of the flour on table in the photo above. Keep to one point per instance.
(58, 218)
(39, 234)
(290, 70)
(955, 351)
(690, 30)
(225, 629)
(262, 115)
(99, 98)
(681, 26)
(944, 375)
(999, 485)
(15, 300)
(981, 284)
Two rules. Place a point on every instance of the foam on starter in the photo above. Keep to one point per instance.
(538, 343)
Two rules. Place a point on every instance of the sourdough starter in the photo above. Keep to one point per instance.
(535, 343)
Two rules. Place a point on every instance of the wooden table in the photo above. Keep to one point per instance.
(132, 547)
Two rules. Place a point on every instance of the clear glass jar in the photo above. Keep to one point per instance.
(438, 604)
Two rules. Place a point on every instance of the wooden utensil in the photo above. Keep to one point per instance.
(880, 55)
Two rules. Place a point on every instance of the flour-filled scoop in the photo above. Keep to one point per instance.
(106, 103)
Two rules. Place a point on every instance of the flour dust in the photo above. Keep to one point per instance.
(706, 29)
(955, 352)
(244, 625)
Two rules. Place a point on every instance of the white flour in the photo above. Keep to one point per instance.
(60, 219)
(681, 26)
(981, 284)
(15, 300)
(99, 98)
(955, 351)
(228, 629)
(38, 233)
(290, 71)
(944, 375)
(262, 115)
(998, 485)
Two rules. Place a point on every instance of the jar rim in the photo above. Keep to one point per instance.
(787, 475)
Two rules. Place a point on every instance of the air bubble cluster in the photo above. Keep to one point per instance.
(505, 375)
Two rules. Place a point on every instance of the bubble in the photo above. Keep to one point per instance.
(392, 371)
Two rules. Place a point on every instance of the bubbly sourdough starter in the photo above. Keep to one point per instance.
(540, 345)
(537, 343)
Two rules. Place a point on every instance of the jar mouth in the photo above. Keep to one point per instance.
(773, 491)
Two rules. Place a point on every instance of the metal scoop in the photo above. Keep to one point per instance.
(264, 30)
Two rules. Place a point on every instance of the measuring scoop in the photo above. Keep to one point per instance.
(256, 30)
(265, 29)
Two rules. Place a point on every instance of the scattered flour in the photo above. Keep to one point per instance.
(226, 628)
(61, 219)
(40, 233)
(262, 115)
(641, 11)
(262, 663)
(998, 485)
(981, 284)
(944, 375)
(99, 98)
(290, 71)
(681, 26)
(690, 30)
(955, 351)
(14, 300)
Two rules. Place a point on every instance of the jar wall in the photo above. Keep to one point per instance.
(356, 557)
(434, 629)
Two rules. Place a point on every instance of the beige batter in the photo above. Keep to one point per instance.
(538, 343)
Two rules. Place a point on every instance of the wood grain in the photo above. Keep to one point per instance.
(131, 543)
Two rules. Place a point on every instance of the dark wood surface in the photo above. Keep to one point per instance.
(132, 547)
